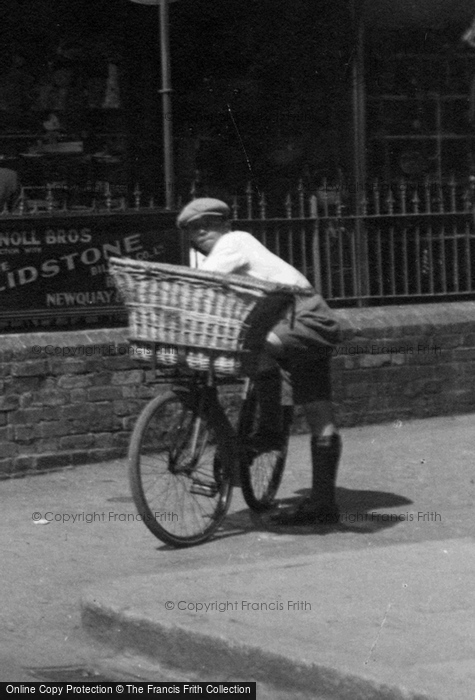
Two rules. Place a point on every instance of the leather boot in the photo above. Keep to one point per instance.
(320, 508)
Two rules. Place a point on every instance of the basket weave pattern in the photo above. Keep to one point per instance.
(197, 316)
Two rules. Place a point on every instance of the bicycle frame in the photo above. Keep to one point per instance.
(202, 387)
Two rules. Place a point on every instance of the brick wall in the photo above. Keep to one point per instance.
(68, 398)
(405, 362)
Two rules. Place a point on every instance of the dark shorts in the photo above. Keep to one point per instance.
(308, 333)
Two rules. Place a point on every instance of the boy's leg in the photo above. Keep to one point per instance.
(269, 432)
(309, 369)
(320, 507)
(325, 452)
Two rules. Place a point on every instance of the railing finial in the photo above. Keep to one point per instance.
(301, 196)
(262, 206)
(249, 200)
(288, 206)
(235, 208)
(137, 196)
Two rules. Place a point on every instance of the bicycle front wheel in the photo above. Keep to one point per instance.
(261, 469)
(181, 488)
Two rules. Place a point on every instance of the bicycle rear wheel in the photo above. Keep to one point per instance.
(261, 470)
(180, 487)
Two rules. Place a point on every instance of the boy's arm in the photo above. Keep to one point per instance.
(228, 256)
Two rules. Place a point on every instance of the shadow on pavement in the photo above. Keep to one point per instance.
(357, 509)
(357, 512)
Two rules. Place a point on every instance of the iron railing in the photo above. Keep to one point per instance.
(401, 243)
(59, 198)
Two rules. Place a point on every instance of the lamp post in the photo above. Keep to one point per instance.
(166, 90)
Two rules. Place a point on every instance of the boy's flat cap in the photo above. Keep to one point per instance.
(203, 206)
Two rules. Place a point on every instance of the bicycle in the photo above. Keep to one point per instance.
(184, 454)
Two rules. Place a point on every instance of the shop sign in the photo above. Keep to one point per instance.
(52, 265)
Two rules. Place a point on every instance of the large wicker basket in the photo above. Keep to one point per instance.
(205, 320)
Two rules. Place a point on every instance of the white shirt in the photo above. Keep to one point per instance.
(238, 252)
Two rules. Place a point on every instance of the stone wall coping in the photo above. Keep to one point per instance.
(421, 318)
(355, 321)
(101, 336)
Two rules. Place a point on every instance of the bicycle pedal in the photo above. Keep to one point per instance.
(203, 488)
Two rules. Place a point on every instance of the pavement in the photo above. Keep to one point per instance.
(379, 622)
(382, 607)
(387, 624)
